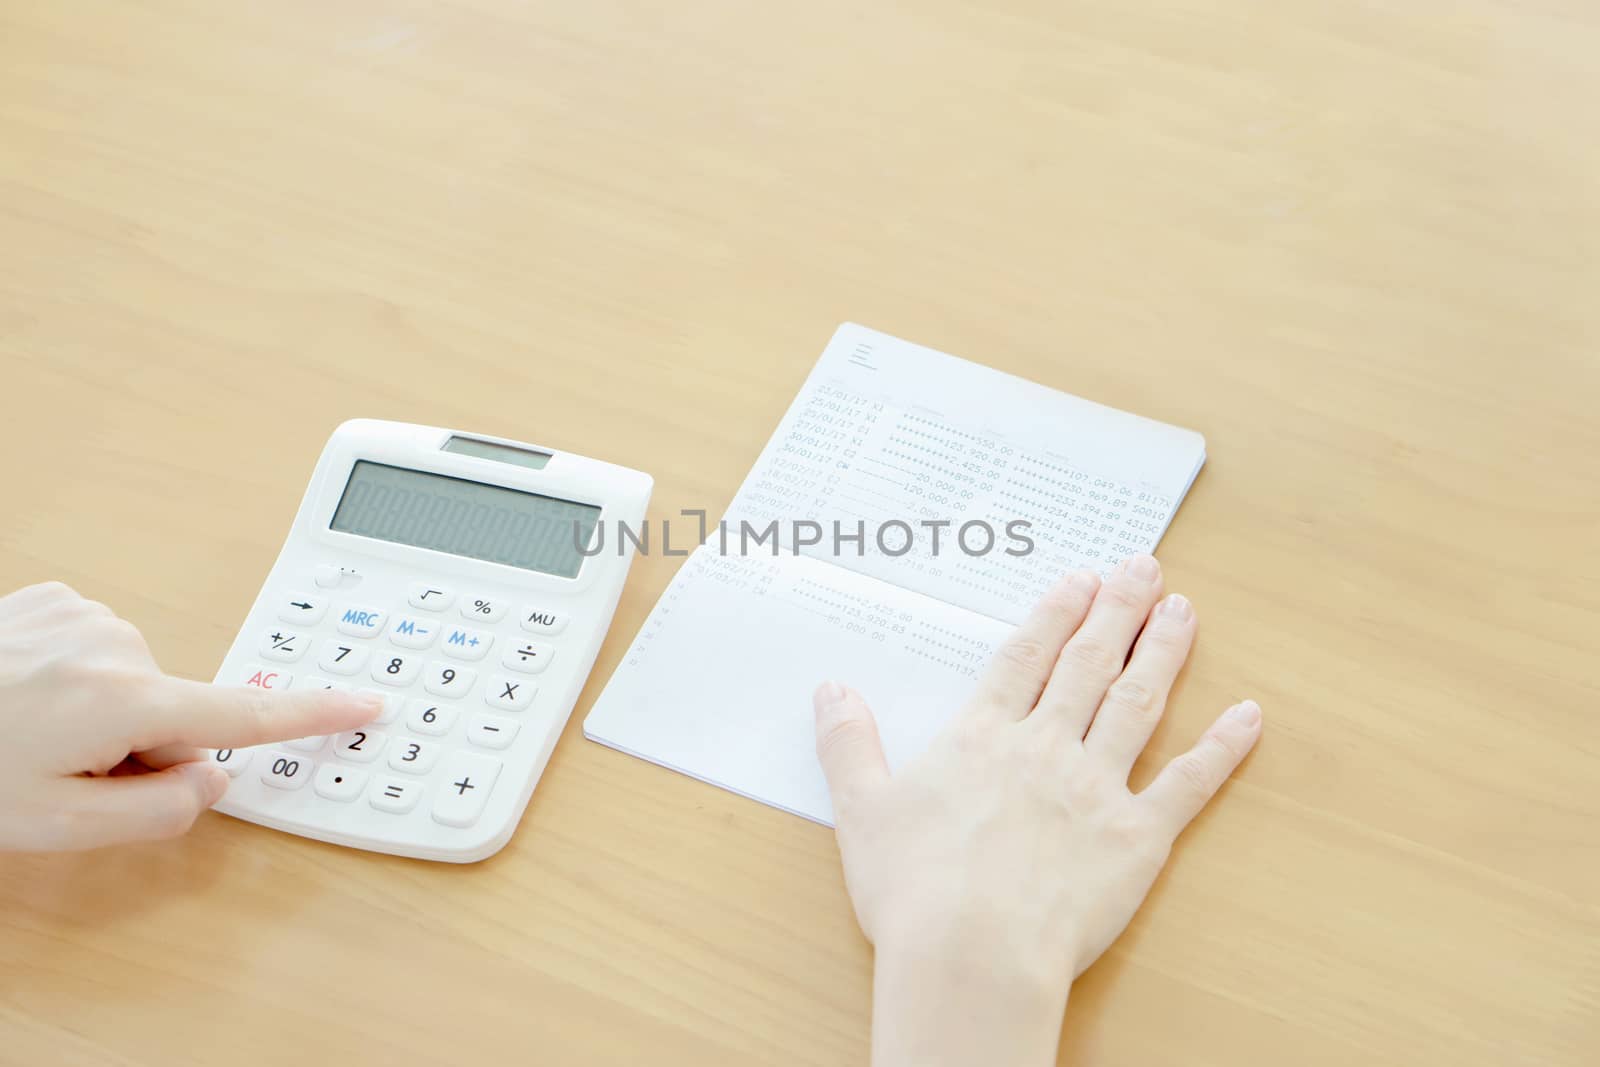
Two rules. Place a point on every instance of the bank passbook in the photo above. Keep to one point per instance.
(900, 522)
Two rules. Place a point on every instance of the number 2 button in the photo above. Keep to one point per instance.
(396, 670)
(447, 680)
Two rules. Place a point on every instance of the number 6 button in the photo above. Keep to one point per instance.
(447, 679)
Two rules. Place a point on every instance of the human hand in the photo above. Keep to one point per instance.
(999, 864)
(102, 745)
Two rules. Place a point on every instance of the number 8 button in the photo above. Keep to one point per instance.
(395, 670)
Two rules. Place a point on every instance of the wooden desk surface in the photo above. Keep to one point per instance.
(1357, 245)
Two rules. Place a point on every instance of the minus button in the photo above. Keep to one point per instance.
(487, 731)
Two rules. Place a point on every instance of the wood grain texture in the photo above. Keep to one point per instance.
(1357, 245)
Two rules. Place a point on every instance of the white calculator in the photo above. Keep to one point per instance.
(468, 579)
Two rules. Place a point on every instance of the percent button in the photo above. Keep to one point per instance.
(483, 608)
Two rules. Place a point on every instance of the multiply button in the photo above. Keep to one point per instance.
(463, 643)
(510, 694)
(529, 657)
(464, 788)
(361, 622)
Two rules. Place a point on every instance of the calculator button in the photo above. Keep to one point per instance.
(326, 575)
(302, 608)
(430, 597)
(483, 608)
(394, 794)
(396, 670)
(340, 656)
(537, 620)
(463, 643)
(267, 678)
(412, 756)
(336, 782)
(489, 731)
(361, 746)
(430, 717)
(509, 694)
(308, 744)
(232, 760)
(361, 622)
(464, 788)
(528, 657)
(286, 646)
(409, 632)
(318, 682)
(285, 770)
(391, 704)
(448, 679)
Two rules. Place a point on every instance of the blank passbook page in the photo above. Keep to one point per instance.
(905, 515)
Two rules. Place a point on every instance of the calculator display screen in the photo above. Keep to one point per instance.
(465, 518)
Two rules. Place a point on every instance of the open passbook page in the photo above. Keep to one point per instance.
(906, 513)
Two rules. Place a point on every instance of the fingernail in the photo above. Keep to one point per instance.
(1083, 580)
(372, 702)
(1177, 606)
(1144, 568)
(828, 694)
(214, 783)
(1245, 713)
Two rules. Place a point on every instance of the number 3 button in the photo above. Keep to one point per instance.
(413, 757)
(396, 670)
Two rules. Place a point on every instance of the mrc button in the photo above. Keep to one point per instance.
(360, 622)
